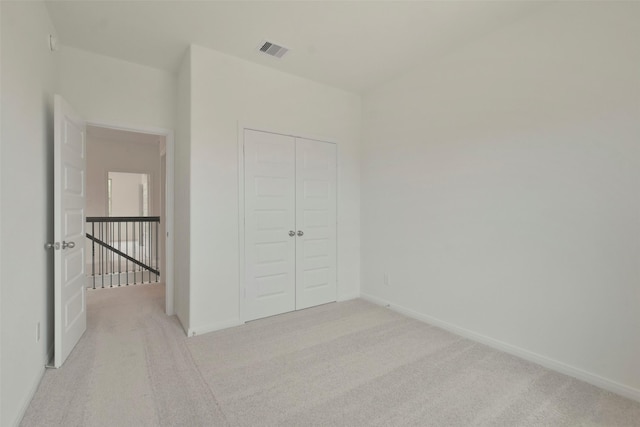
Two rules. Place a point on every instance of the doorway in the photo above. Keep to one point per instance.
(129, 184)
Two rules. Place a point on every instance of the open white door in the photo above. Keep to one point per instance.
(69, 216)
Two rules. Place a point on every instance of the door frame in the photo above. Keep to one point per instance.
(169, 198)
(241, 212)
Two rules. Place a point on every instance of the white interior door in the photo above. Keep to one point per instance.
(69, 215)
(316, 223)
(269, 197)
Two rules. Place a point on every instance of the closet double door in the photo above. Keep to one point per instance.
(290, 223)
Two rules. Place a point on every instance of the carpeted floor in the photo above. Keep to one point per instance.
(344, 364)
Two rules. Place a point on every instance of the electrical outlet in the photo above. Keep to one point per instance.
(387, 280)
(38, 332)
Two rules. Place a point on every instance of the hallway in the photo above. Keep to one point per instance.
(132, 367)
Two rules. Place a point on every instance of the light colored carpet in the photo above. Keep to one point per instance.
(131, 368)
(344, 364)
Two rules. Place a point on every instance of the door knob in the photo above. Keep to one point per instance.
(292, 233)
(52, 245)
(300, 233)
(69, 245)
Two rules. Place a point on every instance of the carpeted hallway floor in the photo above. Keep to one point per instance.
(344, 364)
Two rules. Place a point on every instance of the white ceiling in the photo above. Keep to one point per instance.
(354, 45)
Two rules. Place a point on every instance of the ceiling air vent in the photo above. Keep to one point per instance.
(273, 49)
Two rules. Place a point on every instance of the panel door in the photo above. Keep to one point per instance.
(269, 220)
(316, 223)
(69, 216)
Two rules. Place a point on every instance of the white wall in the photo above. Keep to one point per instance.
(182, 187)
(27, 161)
(104, 155)
(226, 91)
(110, 90)
(501, 191)
(1, 282)
(127, 193)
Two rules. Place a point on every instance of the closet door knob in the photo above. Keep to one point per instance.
(292, 233)
(69, 245)
(300, 233)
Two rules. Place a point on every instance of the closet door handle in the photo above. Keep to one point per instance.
(292, 233)
(300, 233)
(69, 245)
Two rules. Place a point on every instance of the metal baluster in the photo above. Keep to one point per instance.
(93, 254)
(99, 249)
(101, 254)
(110, 253)
(120, 249)
(106, 255)
(148, 261)
(145, 247)
(126, 261)
(103, 257)
(157, 266)
(145, 257)
(106, 252)
(134, 252)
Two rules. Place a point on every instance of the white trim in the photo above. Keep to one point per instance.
(169, 197)
(192, 332)
(243, 126)
(1, 238)
(554, 365)
(169, 172)
(348, 297)
(32, 392)
(241, 260)
(49, 356)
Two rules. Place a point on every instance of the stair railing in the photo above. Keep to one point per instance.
(124, 250)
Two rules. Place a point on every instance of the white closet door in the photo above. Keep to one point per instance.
(269, 217)
(316, 221)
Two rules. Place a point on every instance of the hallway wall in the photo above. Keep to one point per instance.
(104, 155)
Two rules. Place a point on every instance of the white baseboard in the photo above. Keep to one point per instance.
(555, 365)
(348, 297)
(27, 400)
(49, 355)
(182, 324)
(214, 327)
